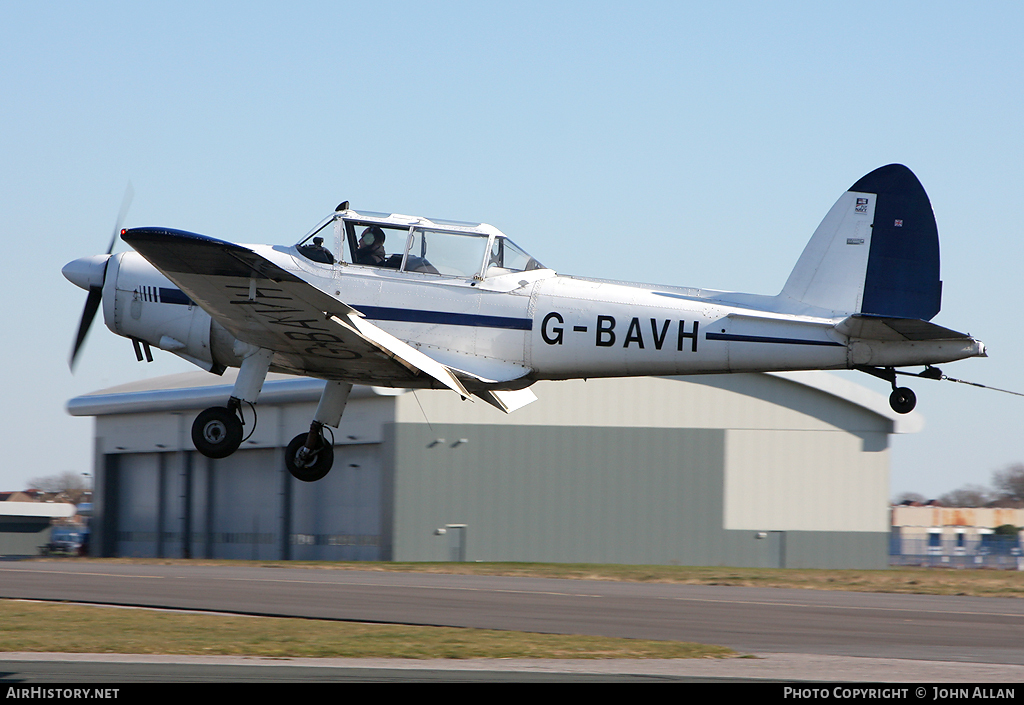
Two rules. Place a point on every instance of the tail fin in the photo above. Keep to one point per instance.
(875, 253)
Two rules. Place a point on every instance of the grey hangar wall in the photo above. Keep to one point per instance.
(742, 470)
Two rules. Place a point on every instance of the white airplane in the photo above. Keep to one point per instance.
(412, 302)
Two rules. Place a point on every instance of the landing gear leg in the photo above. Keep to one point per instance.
(309, 456)
(902, 400)
(217, 431)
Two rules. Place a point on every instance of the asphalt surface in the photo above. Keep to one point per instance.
(799, 635)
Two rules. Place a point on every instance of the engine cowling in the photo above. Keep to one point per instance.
(141, 303)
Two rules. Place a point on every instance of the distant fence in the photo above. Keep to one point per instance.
(961, 551)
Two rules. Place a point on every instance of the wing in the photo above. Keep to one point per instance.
(258, 302)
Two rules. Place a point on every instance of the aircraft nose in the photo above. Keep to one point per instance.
(86, 272)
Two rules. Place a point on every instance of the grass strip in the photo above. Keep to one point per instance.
(67, 628)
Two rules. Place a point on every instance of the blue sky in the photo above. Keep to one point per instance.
(721, 132)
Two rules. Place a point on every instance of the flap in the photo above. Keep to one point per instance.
(507, 401)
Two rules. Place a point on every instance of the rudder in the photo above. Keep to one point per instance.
(902, 279)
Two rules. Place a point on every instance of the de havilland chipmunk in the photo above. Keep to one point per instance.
(401, 301)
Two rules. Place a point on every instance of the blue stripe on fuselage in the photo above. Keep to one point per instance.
(382, 313)
(768, 339)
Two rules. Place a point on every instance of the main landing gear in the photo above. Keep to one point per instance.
(902, 400)
(310, 455)
(217, 431)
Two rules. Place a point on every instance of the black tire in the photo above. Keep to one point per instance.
(217, 432)
(316, 466)
(902, 400)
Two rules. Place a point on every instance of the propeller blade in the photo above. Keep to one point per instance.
(126, 202)
(92, 305)
(95, 298)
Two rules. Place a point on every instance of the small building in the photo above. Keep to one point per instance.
(956, 536)
(702, 470)
(25, 526)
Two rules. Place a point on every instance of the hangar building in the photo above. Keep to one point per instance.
(744, 470)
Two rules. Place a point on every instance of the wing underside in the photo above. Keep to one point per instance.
(310, 332)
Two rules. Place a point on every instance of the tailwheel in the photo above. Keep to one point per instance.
(217, 432)
(309, 464)
(902, 400)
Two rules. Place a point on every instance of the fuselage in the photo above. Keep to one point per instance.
(518, 327)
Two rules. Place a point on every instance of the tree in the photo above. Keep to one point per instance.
(967, 496)
(909, 498)
(1010, 481)
(71, 484)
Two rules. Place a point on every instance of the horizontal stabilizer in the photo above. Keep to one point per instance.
(880, 328)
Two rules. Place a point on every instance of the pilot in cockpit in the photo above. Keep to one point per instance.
(371, 246)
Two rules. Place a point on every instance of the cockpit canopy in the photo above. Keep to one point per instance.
(411, 244)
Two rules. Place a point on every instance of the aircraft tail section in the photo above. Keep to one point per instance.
(875, 253)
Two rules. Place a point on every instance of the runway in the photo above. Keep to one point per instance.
(923, 628)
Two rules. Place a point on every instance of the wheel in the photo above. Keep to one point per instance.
(902, 400)
(217, 432)
(315, 466)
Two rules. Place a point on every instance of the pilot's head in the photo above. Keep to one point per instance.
(318, 242)
(371, 236)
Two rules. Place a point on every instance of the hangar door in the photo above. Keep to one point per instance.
(246, 506)
(338, 518)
